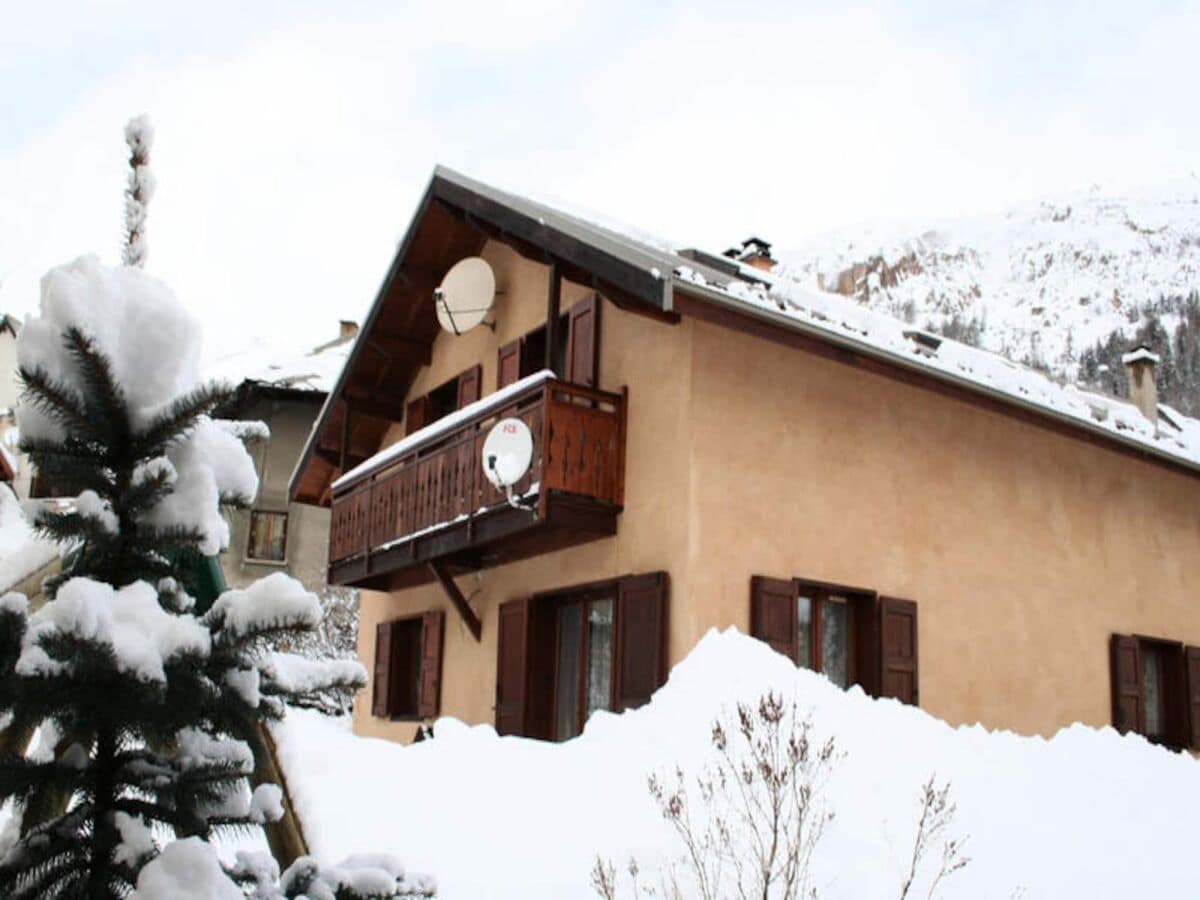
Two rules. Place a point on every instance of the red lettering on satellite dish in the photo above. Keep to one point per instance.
(510, 428)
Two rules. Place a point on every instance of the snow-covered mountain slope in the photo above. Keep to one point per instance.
(1037, 284)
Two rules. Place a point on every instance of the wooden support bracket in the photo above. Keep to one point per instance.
(457, 599)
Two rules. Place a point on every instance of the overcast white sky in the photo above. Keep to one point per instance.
(293, 139)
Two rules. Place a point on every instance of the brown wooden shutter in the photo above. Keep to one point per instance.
(640, 645)
(508, 364)
(433, 627)
(583, 329)
(381, 701)
(773, 613)
(512, 668)
(898, 650)
(1191, 661)
(1126, 664)
(416, 415)
(469, 384)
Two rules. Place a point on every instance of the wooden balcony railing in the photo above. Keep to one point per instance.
(578, 451)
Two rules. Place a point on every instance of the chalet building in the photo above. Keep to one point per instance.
(714, 446)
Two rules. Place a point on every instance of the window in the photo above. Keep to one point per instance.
(268, 536)
(824, 641)
(1156, 689)
(408, 667)
(576, 350)
(583, 668)
(565, 654)
(850, 635)
(443, 400)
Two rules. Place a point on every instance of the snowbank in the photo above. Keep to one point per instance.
(1086, 814)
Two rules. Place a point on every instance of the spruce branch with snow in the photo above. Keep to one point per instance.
(150, 708)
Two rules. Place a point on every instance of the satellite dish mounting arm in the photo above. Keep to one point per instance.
(513, 500)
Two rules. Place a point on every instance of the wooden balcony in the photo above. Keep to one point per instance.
(433, 503)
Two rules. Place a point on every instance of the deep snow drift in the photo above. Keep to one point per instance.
(1086, 814)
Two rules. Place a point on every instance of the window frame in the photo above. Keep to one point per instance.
(529, 642)
(415, 626)
(435, 404)
(819, 597)
(413, 629)
(883, 635)
(1174, 701)
(262, 560)
(584, 597)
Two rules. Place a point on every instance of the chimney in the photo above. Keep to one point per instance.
(346, 330)
(1139, 367)
(755, 252)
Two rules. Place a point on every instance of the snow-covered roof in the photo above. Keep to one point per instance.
(283, 365)
(1141, 353)
(845, 322)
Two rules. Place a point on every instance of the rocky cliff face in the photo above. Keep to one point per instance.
(1064, 285)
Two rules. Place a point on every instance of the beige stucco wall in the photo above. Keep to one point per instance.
(307, 547)
(1023, 548)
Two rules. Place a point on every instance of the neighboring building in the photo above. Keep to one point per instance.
(716, 447)
(285, 390)
(14, 469)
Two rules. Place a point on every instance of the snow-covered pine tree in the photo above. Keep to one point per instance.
(156, 703)
(143, 706)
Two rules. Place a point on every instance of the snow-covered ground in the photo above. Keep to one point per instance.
(1087, 813)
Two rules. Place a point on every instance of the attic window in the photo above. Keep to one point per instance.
(927, 344)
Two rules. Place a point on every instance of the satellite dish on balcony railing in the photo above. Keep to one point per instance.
(507, 453)
(465, 296)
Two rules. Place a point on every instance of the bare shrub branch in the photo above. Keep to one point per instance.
(937, 815)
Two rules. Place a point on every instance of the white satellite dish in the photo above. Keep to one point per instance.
(507, 453)
(465, 296)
